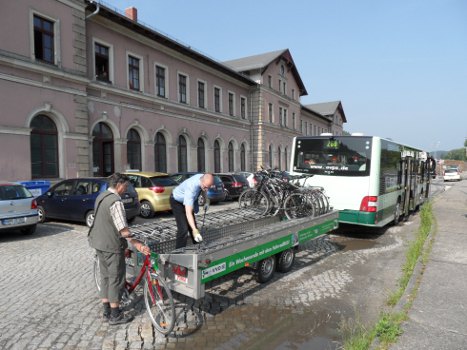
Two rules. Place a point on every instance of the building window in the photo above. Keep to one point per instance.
(282, 70)
(270, 109)
(201, 153)
(293, 120)
(102, 150)
(284, 112)
(279, 158)
(44, 40)
(284, 88)
(102, 62)
(133, 150)
(242, 157)
(281, 121)
(160, 81)
(201, 94)
(270, 156)
(217, 157)
(160, 153)
(133, 73)
(285, 159)
(182, 154)
(217, 100)
(231, 156)
(243, 107)
(269, 81)
(44, 148)
(280, 85)
(231, 103)
(306, 128)
(302, 126)
(182, 91)
(293, 94)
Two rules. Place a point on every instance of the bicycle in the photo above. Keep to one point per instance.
(157, 295)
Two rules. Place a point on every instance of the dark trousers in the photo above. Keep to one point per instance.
(183, 228)
(112, 273)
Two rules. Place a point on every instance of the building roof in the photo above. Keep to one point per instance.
(262, 61)
(328, 108)
(152, 34)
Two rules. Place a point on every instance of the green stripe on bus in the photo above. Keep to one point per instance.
(357, 217)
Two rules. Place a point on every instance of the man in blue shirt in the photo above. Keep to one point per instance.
(184, 203)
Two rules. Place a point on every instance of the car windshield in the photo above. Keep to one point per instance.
(9, 192)
(451, 171)
(240, 178)
(163, 181)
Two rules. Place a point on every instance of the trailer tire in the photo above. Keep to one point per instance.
(285, 260)
(266, 269)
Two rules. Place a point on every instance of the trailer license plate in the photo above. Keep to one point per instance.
(181, 279)
(14, 221)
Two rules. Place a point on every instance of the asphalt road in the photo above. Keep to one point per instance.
(49, 299)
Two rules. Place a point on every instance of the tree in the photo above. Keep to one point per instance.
(456, 154)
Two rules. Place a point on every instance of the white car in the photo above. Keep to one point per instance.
(451, 175)
(18, 208)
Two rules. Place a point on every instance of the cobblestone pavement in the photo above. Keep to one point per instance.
(49, 300)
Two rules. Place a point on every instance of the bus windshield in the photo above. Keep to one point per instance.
(338, 156)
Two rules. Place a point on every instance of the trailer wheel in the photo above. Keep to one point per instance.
(285, 260)
(266, 269)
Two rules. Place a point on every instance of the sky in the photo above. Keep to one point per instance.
(399, 67)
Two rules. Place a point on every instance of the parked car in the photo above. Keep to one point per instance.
(251, 178)
(18, 208)
(234, 184)
(154, 190)
(452, 174)
(215, 194)
(74, 200)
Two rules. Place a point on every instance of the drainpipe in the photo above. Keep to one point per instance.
(96, 11)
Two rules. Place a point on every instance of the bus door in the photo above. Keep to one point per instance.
(406, 181)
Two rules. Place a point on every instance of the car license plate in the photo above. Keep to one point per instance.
(14, 221)
(127, 200)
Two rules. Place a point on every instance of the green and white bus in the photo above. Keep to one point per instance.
(372, 181)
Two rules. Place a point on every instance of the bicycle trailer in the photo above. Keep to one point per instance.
(233, 239)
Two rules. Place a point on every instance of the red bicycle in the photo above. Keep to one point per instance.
(157, 296)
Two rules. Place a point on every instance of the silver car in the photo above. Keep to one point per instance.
(18, 208)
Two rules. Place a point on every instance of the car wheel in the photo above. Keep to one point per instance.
(29, 230)
(89, 218)
(146, 211)
(41, 213)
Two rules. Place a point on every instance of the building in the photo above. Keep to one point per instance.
(87, 90)
(334, 112)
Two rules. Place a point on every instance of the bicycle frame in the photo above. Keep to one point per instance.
(145, 271)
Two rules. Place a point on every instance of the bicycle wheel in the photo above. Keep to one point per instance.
(97, 273)
(254, 199)
(159, 304)
(298, 205)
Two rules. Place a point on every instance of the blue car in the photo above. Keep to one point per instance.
(74, 199)
(215, 194)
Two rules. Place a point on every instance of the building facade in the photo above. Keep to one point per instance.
(87, 91)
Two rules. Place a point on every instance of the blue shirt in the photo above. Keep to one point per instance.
(188, 191)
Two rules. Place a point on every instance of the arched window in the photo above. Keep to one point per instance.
(133, 150)
(160, 153)
(231, 156)
(182, 154)
(201, 155)
(44, 148)
(217, 157)
(279, 157)
(102, 150)
(270, 157)
(242, 158)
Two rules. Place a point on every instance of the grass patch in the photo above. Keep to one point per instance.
(388, 327)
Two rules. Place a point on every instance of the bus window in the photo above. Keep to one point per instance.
(333, 156)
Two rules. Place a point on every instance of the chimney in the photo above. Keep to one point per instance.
(132, 13)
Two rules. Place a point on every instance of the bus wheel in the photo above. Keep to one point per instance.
(266, 269)
(397, 214)
(285, 260)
